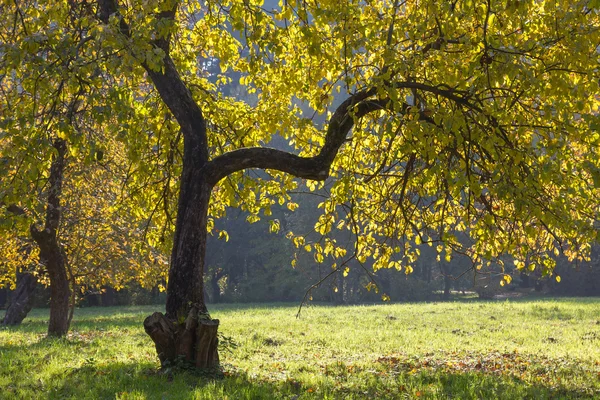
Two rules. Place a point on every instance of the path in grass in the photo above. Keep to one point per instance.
(465, 350)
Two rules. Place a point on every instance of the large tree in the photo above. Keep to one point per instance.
(477, 117)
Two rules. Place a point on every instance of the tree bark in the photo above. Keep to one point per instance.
(194, 341)
(186, 332)
(178, 334)
(52, 255)
(22, 300)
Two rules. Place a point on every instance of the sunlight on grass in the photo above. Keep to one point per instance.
(504, 349)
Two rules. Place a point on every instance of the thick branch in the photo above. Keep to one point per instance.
(265, 158)
(55, 187)
(178, 98)
(317, 167)
(13, 209)
(166, 15)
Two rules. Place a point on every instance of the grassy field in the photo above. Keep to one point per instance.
(540, 349)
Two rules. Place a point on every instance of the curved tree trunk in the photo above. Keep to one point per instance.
(22, 300)
(186, 331)
(52, 255)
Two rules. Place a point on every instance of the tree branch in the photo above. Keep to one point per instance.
(169, 16)
(53, 209)
(173, 91)
(265, 158)
(317, 167)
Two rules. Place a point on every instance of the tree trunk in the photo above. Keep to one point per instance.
(60, 294)
(194, 341)
(447, 280)
(214, 283)
(4, 297)
(185, 291)
(186, 331)
(52, 255)
(22, 300)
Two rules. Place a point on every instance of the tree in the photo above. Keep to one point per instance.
(472, 117)
(58, 167)
(84, 244)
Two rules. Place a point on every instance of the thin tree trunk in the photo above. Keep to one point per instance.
(447, 280)
(22, 299)
(214, 283)
(4, 297)
(60, 295)
(52, 255)
(525, 281)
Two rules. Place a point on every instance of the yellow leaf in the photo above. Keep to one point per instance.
(224, 235)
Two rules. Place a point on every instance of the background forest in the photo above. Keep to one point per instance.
(254, 265)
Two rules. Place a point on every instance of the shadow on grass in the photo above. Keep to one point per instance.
(143, 381)
(24, 372)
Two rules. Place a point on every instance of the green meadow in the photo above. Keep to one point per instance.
(506, 349)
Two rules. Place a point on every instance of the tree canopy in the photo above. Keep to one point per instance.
(478, 117)
(468, 125)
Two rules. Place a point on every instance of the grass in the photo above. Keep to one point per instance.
(510, 349)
